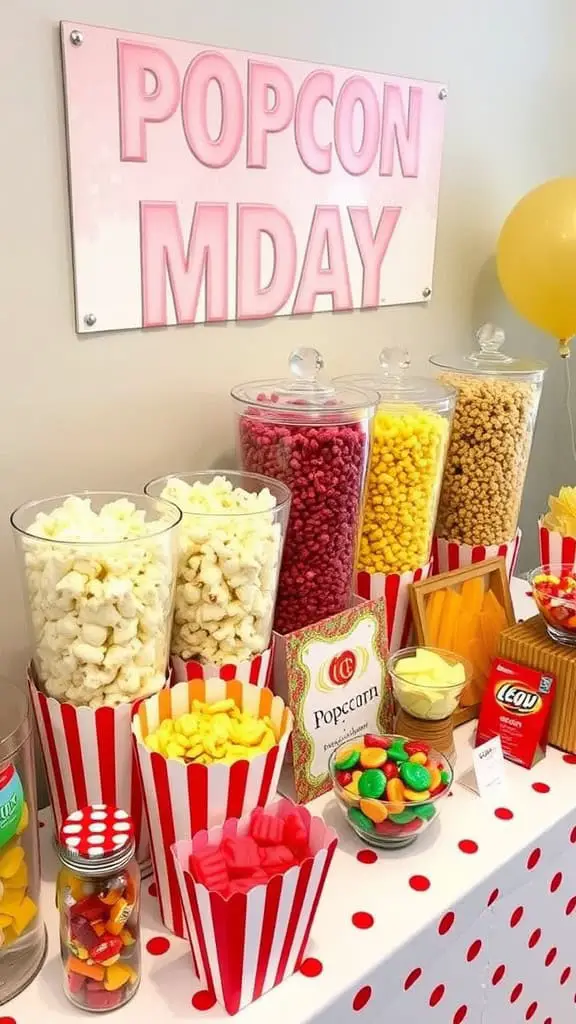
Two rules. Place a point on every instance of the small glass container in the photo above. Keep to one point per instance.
(98, 898)
(314, 436)
(99, 574)
(421, 696)
(494, 421)
(554, 591)
(229, 562)
(22, 931)
(411, 432)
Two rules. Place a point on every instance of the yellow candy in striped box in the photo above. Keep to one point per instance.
(218, 733)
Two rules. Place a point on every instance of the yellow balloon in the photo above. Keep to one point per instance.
(536, 257)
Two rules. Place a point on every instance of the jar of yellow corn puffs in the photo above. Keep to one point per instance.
(22, 932)
(411, 433)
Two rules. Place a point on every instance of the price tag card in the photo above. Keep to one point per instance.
(487, 776)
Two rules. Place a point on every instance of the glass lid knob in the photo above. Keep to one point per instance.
(490, 340)
(306, 365)
(394, 361)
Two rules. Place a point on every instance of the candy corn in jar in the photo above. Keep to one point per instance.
(98, 896)
(411, 433)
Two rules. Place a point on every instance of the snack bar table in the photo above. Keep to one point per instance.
(476, 922)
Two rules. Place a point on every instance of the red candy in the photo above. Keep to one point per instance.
(106, 948)
(90, 909)
(390, 770)
(416, 747)
(100, 999)
(371, 740)
(209, 868)
(344, 778)
(241, 855)
(295, 835)
(267, 829)
(75, 983)
(324, 468)
(275, 859)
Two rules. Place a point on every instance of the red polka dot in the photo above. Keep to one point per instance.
(540, 787)
(493, 897)
(419, 883)
(311, 967)
(498, 974)
(516, 916)
(446, 923)
(556, 882)
(551, 956)
(362, 920)
(468, 846)
(367, 856)
(549, 1019)
(7, 1020)
(533, 858)
(158, 945)
(565, 975)
(412, 978)
(460, 1015)
(531, 1011)
(504, 813)
(570, 906)
(153, 889)
(362, 997)
(573, 835)
(437, 995)
(516, 992)
(473, 950)
(203, 1000)
(12, 1020)
(535, 938)
(569, 758)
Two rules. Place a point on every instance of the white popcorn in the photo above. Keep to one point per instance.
(227, 570)
(100, 611)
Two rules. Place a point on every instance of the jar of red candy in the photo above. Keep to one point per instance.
(315, 437)
(98, 896)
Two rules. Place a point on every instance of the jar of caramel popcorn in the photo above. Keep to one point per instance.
(494, 421)
(98, 897)
(411, 431)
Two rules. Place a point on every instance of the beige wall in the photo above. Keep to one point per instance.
(113, 411)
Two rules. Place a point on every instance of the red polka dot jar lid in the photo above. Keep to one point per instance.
(97, 835)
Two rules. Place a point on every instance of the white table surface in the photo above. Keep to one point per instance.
(350, 957)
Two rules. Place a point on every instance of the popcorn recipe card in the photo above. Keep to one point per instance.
(337, 689)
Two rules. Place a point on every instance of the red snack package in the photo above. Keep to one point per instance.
(516, 706)
(209, 868)
(295, 836)
(241, 856)
(106, 948)
(276, 859)
(266, 829)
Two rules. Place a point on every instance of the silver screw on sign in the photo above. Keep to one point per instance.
(442, 94)
(426, 293)
(90, 319)
(76, 37)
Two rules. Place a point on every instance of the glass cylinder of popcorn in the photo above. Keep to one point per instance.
(231, 541)
(99, 576)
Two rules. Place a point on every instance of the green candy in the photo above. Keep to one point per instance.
(416, 776)
(372, 783)
(403, 818)
(396, 751)
(360, 820)
(345, 764)
(425, 811)
(445, 776)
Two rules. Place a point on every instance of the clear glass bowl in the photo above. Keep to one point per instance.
(554, 591)
(403, 821)
(430, 701)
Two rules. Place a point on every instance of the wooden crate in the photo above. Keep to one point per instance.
(529, 644)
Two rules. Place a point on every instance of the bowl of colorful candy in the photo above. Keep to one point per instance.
(389, 787)
(427, 682)
(554, 591)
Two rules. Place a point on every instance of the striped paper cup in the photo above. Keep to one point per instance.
(245, 945)
(449, 554)
(256, 671)
(89, 758)
(183, 799)
(555, 549)
(394, 588)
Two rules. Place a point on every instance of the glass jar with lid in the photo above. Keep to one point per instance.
(411, 432)
(98, 898)
(22, 931)
(314, 436)
(494, 421)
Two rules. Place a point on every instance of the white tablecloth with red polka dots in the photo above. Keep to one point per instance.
(473, 924)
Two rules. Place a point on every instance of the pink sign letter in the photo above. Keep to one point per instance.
(315, 87)
(357, 90)
(139, 105)
(205, 68)
(163, 262)
(253, 299)
(401, 131)
(372, 248)
(263, 119)
(325, 237)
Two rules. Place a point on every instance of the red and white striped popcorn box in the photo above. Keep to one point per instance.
(244, 945)
(450, 554)
(555, 549)
(183, 799)
(394, 588)
(89, 758)
(256, 670)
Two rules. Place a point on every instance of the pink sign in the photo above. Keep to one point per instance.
(211, 184)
